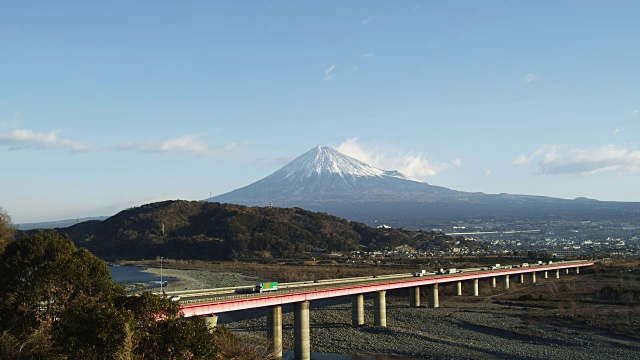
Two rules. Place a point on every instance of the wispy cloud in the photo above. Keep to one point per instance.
(530, 77)
(368, 55)
(367, 20)
(488, 172)
(613, 159)
(329, 73)
(615, 131)
(11, 122)
(415, 166)
(23, 138)
(183, 144)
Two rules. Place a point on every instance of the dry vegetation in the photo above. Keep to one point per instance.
(606, 297)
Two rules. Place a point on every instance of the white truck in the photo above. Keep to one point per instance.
(420, 273)
(448, 271)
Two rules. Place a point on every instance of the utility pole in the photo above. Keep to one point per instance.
(161, 275)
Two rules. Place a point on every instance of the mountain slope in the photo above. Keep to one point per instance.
(205, 230)
(324, 179)
(324, 175)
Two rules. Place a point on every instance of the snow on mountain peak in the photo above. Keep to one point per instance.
(324, 161)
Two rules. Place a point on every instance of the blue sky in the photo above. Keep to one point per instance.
(109, 105)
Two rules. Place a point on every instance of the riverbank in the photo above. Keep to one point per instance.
(189, 279)
(555, 318)
(462, 328)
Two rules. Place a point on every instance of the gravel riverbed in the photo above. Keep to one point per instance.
(461, 328)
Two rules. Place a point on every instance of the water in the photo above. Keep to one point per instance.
(129, 275)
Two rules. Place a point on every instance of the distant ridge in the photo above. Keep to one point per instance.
(58, 223)
(323, 179)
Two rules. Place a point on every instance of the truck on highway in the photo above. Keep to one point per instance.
(266, 287)
(420, 273)
(448, 271)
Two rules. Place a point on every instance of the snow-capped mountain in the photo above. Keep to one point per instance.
(323, 179)
(325, 175)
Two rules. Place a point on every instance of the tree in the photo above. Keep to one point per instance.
(59, 301)
(7, 230)
(43, 277)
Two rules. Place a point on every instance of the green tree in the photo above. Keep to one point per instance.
(60, 302)
(7, 229)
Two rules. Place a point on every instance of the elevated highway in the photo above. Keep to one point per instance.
(209, 302)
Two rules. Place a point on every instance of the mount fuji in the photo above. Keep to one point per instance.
(323, 179)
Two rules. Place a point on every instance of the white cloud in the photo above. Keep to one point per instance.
(23, 138)
(521, 160)
(530, 77)
(367, 20)
(329, 73)
(613, 159)
(415, 166)
(183, 144)
(368, 55)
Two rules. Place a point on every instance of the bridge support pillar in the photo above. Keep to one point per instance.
(566, 271)
(494, 282)
(505, 282)
(379, 309)
(211, 321)
(414, 294)
(558, 274)
(474, 287)
(532, 277)
(546, 274)
(301, 341)
(357, 310)
(577, 270)
(274, 329)
(457, 288)
(434, 300)
(521, 279)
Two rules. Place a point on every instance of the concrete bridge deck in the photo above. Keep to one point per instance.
(213, 301)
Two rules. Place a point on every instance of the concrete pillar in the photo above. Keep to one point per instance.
(546, 274)
(210, 322)
(521, 279)
(494, 282)
(380, 309)
(505, 282)
(457, 288)
(274, 329)
(301, 341)
(557, 273)
(474, 287)
(357, 310)
(532, 277)
(577, 270)
(566, 271)
(414, 297)
(434, 301)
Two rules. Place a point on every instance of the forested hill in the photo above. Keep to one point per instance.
(205, 230)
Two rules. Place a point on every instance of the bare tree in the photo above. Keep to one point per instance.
(7, 229)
